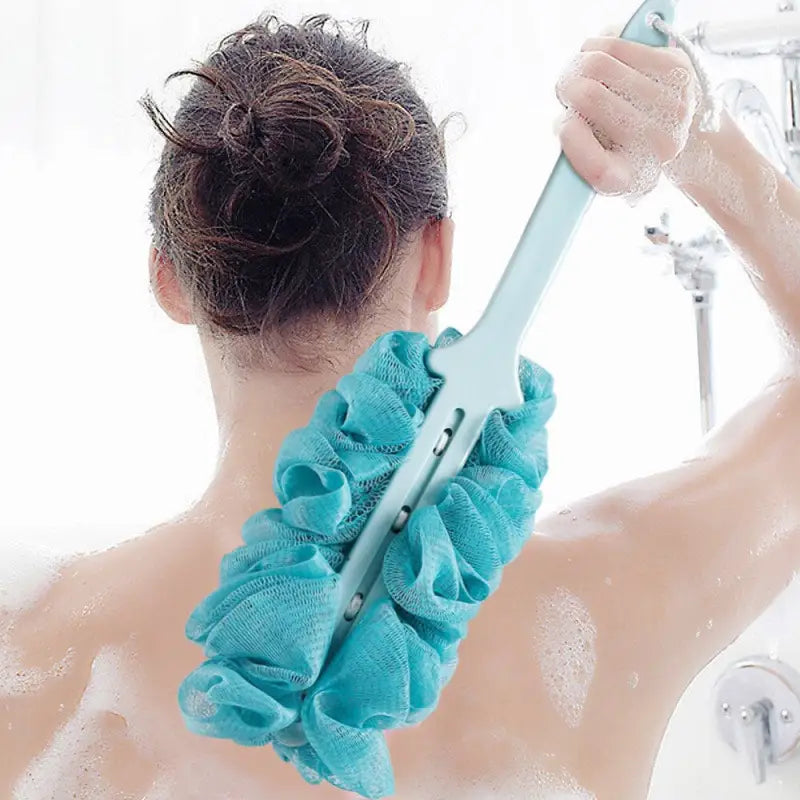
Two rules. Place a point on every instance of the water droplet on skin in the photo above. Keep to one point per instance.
(608, 581)
(710, 624)
(633, 680)
(697, 634)
(565, 511)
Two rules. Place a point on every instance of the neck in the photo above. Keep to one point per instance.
(255, 410)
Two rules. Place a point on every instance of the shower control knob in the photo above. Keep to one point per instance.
(753, 738)
(757, 703)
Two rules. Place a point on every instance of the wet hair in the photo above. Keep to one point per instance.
(297, 166)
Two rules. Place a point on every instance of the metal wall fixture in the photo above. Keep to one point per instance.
(693, 262)
(777, 35)
(757, 707)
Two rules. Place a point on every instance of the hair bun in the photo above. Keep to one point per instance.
(297, 165)
(294, 135)
(238, 127)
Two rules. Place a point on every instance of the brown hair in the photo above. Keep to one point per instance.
(296, 167)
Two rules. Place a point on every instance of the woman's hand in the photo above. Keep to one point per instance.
(630, 109)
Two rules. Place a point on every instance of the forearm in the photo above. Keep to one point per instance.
(757, 208)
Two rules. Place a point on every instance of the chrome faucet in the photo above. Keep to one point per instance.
(774, 36)
(747, 105)
(758, 712)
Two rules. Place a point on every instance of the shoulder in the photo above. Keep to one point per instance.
(68, 618)
(42, 661)
(551, 655)
(95, 663)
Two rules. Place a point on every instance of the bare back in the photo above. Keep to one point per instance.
(595, 621)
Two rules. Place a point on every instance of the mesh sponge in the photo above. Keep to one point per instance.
(266, 630)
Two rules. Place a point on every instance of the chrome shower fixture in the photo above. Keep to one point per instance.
(774, 35)
(693, 264)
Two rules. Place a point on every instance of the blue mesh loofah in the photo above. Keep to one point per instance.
(266, 630)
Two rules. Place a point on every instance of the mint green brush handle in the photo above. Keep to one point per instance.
(550, 228)
(480, 370)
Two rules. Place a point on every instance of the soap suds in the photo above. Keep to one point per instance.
(26, 573)
(525, 776)
(533, 777)
(564, 641)
(608, 99)
(782, 229)
(73, 764)
(79, 760)
(697, 165)
(195, 778)
(15, 678)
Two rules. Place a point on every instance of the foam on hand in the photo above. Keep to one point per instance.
(609, 99)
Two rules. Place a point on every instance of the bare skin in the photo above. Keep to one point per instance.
(715, 538)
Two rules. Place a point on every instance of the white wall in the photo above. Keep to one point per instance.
(107, 425)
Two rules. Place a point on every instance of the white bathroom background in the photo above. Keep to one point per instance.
(107, 421)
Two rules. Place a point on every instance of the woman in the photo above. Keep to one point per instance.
(299, 210)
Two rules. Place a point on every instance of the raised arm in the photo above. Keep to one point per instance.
(632, 112)
(672, 567)
(632, 107)
(756, 206)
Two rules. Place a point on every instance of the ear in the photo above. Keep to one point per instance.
(433, 283)
(167, 289)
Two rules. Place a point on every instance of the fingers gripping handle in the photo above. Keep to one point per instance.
(554, 221)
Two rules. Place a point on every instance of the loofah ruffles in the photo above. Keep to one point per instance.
(266, 630)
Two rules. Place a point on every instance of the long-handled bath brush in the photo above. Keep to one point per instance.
(480, 369)
(414, 483)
